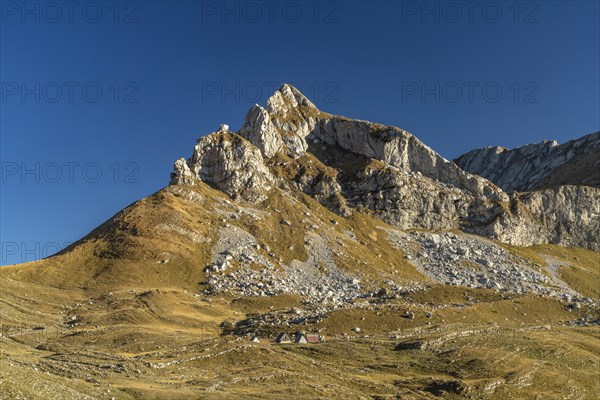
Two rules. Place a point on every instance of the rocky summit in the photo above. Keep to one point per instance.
(350, 165)
(310, 255)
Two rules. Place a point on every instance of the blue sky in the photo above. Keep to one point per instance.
(97, 101)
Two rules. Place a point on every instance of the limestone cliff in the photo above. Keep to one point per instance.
(352, 165)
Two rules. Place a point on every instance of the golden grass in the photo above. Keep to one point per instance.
(143, 326)
(579, 268)
(474, 346)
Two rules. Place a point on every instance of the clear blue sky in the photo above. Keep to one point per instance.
(124, 92)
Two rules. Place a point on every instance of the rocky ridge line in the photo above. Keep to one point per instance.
(348, 164)
(536, 166)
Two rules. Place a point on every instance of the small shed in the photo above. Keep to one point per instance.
(300, 338)
(313, 338)
(283, 338)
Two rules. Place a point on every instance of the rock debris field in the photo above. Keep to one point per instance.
(236, 258)
(241, 266)
(471, 261)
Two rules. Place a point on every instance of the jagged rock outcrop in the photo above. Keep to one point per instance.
(289, 118)
(536, 166)
(400, 149)
(182, 175)
(230, 163)
(260, 131)
(283, 124)
(350, 165)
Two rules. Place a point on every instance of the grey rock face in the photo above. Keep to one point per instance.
(283, 124)
(232, 164)
(347, 164)
(406, 199)
(287, 99)
(290, 118)
(567, 215)
(182, 175)
(401, 149)
(260, 131)
(535, 166)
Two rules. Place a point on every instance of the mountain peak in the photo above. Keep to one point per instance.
(351, 166)
(286, 98)
(308, 221)
(283, 124)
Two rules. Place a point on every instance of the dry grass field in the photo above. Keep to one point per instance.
(122, 315)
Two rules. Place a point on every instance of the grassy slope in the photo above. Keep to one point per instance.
(114, 314)
(162, 344)
(579, 268)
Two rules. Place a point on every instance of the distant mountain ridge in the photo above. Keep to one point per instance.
(537, 166)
